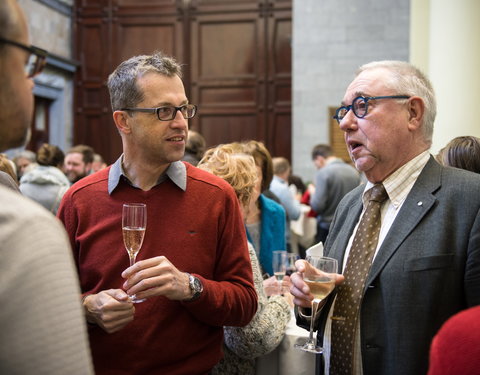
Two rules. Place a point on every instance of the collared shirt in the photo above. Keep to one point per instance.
(176, 171)
(397, 185)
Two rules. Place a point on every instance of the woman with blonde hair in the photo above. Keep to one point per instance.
(242, 345)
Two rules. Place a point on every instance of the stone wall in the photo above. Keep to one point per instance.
(331, 39)
(50, 25)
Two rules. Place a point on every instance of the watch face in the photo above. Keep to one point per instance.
(197, 285)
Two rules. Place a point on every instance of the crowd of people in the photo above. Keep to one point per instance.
(215, 217)
(45, 175)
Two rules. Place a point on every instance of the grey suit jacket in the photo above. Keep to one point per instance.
(427, 269)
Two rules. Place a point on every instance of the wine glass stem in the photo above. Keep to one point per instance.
(132, 259)
(312, 323)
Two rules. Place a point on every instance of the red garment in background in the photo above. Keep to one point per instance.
(455, 349)
(306, 200)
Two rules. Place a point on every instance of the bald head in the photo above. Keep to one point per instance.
(11, 20)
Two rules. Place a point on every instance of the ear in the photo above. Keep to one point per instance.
(416, 110)
(122, 121)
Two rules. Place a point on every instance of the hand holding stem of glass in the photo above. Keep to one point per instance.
(320, 279)
(134, 224)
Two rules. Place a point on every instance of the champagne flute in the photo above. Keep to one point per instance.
(134, 223)
(321, 281)
(279, 262)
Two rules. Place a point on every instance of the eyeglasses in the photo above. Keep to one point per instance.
(360, 106)
(36, 60)
(168, 112)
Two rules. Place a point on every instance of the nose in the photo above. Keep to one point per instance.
(349, 122)
(31, 83)
(179, 121)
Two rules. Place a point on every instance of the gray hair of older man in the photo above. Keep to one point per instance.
(406, 79)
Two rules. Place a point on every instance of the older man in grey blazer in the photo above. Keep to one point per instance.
(426, 265)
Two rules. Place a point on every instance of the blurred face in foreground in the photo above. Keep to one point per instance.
(16, 99)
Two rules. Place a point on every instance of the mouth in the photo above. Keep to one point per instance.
(177, 138)
(354, 145)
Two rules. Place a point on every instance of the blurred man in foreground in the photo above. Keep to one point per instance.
(42, 329)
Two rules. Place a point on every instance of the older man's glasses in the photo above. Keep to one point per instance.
(36, 59)
(359, 106)
(168, 113)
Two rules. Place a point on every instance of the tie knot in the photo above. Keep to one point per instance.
(377, 193)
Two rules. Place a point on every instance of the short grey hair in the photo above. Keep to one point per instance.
(122, 83)
(407, 79)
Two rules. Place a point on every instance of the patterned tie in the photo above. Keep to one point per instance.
(350, 292)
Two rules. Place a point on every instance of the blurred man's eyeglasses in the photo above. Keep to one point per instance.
(359, 106)
(168, 113)
(36, 59)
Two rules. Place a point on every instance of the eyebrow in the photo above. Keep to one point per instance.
(357, 94)
(169, 104)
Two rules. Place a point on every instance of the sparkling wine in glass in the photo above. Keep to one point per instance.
(279, 263)
(321, 281)
(134, 224)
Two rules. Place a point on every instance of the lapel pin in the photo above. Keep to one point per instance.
(420, 203)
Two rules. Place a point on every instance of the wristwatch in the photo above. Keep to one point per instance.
(195, 286)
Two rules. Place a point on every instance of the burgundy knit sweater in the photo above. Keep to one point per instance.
(200, 231)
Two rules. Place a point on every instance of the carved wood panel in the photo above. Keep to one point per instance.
(237, 56)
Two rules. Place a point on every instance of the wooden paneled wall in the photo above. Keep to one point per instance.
(236, 56)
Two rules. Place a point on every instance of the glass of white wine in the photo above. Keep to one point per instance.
(321, 280)
(279, 263)
(134, 224)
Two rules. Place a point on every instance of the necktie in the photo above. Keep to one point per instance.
(350, 292)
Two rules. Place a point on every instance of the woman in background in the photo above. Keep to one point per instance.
(8, 176)
(266, 219)
(267, 328)
(46, 183)
(461, 152)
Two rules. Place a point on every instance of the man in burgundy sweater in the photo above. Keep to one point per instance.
(193, 268)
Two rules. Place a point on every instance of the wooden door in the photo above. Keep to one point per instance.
(236, 56)
(228, 76)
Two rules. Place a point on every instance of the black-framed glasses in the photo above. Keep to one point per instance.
(37, 57)
(359, 106)
(168, 112)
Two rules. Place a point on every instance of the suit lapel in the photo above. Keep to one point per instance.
(417, 204)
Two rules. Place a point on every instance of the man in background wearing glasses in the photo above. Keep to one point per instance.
(425, 266)
(193, 268)
(42, 330)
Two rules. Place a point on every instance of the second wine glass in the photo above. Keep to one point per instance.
(279, 263)
(134, 224)
(320, 278)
